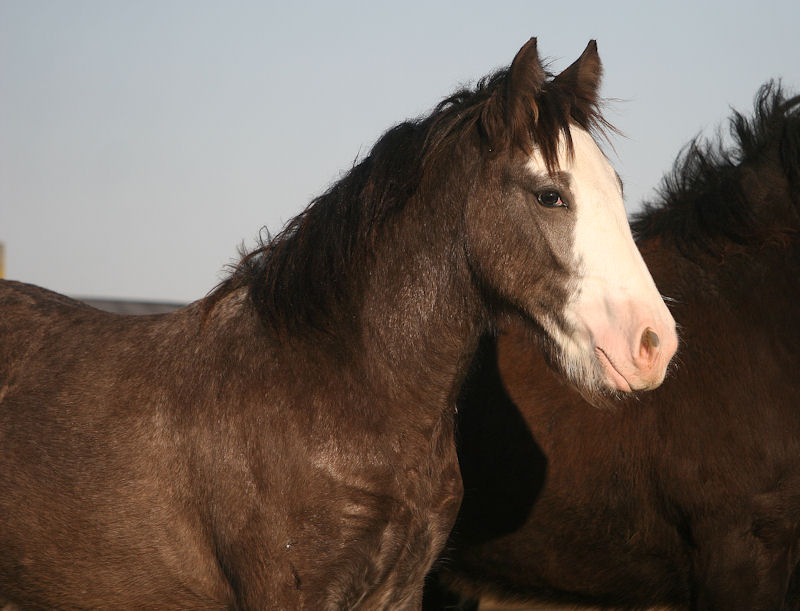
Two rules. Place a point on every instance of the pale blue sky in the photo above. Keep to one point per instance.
(142, 142)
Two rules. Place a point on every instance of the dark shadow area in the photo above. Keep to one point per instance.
(438, 598)
(502, 466)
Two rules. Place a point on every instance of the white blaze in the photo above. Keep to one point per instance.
(615, 299)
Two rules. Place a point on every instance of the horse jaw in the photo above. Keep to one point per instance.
(619, 334)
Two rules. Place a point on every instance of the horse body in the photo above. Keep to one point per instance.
(287, 441)
(686, 497)
(172, 486)
(198, 423)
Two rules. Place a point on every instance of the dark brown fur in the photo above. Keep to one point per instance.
(688, 496)
(286, 442)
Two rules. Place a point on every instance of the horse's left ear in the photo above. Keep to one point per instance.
(582, 78)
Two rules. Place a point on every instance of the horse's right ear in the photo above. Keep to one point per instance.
(509, 116)
(525, 80)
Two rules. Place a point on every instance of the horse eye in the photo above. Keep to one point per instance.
(550, 199)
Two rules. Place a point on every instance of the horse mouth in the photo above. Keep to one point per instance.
(612, 373)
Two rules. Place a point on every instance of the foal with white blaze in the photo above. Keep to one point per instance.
(287, 442)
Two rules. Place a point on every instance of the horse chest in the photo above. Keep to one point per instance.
(410, 543)
(361, 537)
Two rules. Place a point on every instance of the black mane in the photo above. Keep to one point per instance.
(702, 201)
(299, 276)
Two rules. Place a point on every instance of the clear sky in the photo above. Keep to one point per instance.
(141, 143)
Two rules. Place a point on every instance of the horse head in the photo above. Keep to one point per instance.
(558, 247)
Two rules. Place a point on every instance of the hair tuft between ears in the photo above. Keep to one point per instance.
(532, 109)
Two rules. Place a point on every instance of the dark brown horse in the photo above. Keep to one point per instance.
(287, 442)
(688, 496)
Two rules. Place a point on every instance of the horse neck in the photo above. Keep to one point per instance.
(422, 313)
(410, 332)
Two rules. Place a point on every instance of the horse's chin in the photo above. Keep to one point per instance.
(588, 370)
(591, 381)
(614, 377)
(576, 366)
(581, 368)
(589, 377)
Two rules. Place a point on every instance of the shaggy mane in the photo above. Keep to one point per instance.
(297, 278)
(702, 200)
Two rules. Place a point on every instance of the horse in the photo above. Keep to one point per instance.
(687, 497)
(286, 442)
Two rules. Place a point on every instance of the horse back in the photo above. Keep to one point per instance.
(25, 313)
(55, 350)
(82, 406)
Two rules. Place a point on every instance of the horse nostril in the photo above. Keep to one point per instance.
(650, 338)
(648, 351)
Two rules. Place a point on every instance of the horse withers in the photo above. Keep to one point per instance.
(287, 441)
(686, 497)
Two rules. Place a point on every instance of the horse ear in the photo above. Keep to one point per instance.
(509, 114)
(525, 80)
(526, 75)
(582, 78)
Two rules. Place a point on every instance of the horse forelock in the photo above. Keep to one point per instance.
(299, 276)
(703, 204)
(542, 119)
